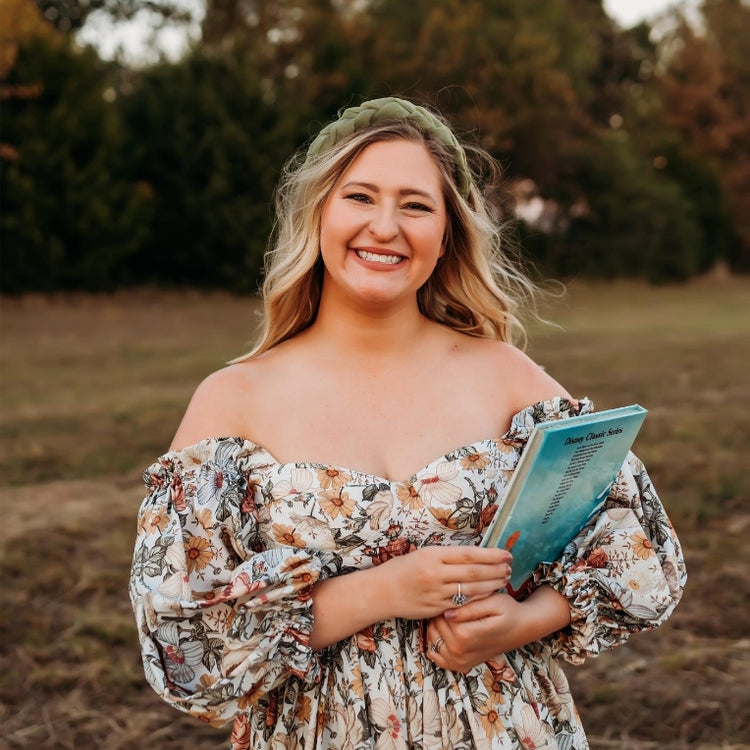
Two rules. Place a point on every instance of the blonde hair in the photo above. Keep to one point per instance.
(475, 288)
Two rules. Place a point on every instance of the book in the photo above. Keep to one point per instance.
(561, 481)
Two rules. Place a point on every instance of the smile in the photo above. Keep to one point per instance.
(390, 260)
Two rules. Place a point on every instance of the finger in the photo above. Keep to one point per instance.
(476, 573)
(440, 651)
(477, 555)
(435, 636)
(459, 595)
(478, 609)
(470, 584)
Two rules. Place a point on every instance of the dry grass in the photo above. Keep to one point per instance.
(92, 390)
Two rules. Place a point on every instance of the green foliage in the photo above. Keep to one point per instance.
(207, 149)
(69, 219)
(709, 205)
(638, 222)
(705, 88)
(165, 175)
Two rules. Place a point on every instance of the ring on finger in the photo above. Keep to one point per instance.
(459, 598)
(435, 647)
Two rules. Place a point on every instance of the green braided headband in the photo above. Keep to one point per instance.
(391, 109)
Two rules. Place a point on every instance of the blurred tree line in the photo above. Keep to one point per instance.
(623, 156)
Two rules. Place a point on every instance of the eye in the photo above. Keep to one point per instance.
(416, 206)
(358, 197)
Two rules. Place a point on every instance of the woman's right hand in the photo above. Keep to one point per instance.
(415, 586)
(422, 583)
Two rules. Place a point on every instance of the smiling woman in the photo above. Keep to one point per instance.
(315, 574)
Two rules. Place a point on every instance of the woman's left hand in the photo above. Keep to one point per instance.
(472, 634)
(463, 637)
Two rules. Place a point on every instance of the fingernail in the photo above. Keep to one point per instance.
(450, 614)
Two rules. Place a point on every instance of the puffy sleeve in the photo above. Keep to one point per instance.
(223, 613)
(623, 573)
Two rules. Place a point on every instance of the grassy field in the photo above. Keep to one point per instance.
(93, 389)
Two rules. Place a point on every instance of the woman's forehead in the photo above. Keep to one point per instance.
(395, 162)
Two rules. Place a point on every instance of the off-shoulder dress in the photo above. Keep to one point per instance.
(230, 542)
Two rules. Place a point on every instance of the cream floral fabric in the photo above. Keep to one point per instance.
(230, 542)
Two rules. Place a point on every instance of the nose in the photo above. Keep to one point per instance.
(384, 223)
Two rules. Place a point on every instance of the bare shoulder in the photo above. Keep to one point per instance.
(215, 406)
(523, 380)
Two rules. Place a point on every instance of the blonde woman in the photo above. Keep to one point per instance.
(307, 562)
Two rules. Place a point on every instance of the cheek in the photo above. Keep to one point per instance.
(434, 242)
(334, 225)
(327, 231)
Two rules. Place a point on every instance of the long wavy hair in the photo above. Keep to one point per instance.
(476, 287)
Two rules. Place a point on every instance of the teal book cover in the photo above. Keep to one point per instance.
(562, 479)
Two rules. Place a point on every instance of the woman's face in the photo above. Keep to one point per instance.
(383, 225)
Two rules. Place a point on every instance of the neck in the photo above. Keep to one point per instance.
(368, 332)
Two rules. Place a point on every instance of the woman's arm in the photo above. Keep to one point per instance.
(218, 616)
(621, 574)
(416, 586)
(482, 629)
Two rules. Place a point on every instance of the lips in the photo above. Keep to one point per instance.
(388, 259)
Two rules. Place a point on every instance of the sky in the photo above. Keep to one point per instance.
(136, 46)
(629, 12)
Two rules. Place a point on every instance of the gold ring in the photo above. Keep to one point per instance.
(435, 647)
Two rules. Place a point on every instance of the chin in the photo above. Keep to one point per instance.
(378, 297)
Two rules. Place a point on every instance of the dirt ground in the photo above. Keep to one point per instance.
(79, 375)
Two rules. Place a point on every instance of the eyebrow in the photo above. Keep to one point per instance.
(402, 192)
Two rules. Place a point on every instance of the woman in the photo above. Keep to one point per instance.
(315, 576)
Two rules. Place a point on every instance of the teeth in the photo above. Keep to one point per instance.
(390, 260)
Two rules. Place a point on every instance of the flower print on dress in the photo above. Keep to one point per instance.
(556, 692)
(408, 496)
(597, 558)
(487, 513)
(205, 519)
(181, 655)
(241, 736)
(385, 718)
(642, 547)
(177, 493)
(286, 535)
(335, 502)
(431, 721)
(152, 520)
(436, 488)
(177, 583)
(252, 615)
(198, 553)
(379, 499)
(332, 478)
(300, 482)
(446, 517)
(491, 719)
(498, 672)
(475, 460)
(532, 733)
(346, 716)
(392, 548)
(365, 639)
(220, 484)
(318, 534)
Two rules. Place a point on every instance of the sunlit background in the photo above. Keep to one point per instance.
(141, 141)
(142, 40)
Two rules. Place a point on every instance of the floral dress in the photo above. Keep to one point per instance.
(230, 542)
